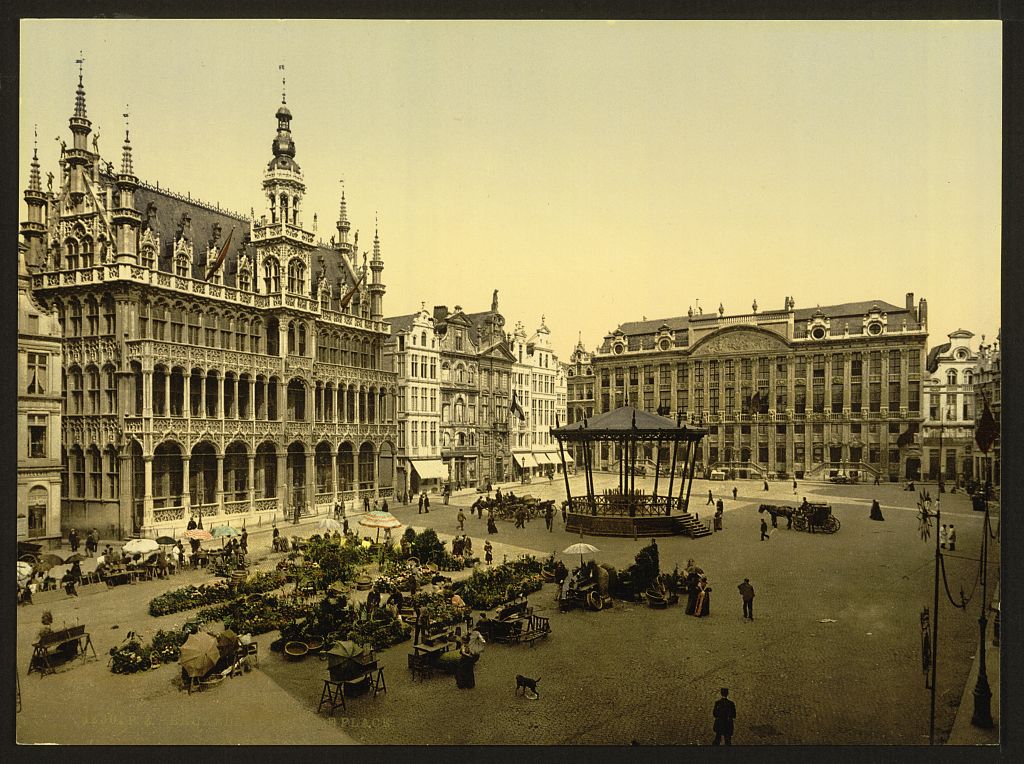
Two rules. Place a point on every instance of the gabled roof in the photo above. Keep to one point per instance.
(401, 324)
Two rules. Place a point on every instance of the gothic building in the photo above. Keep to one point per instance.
(807, 392)
(213, 364)
(988, 387)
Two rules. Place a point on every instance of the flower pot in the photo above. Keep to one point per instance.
(294, 651)
(313, 644)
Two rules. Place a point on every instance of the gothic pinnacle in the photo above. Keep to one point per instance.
(33, 180)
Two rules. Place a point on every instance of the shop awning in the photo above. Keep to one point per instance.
(568, 458)
(525, 460)
(430, 469)
(544, 458)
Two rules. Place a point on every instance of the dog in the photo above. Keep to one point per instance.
(527, 685)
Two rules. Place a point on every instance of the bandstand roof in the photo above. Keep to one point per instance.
(628, 422)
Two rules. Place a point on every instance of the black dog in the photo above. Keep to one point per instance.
(524, 683)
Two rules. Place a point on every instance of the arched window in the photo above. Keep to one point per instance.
(302, 339)
(296, 277)
(76, 318)
(951, 377)
(92, 316)
(88, 260)
(271, 275)
(244, 279)
(38, 500)
(71, 251)
(423, 339)
(181, 265)
(291, 339)
(147, 255)
(968, 377)
(296, 401)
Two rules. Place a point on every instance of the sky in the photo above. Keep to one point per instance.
(593, 172)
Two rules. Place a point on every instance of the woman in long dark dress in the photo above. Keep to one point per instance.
(491, 526)
(464, 676)
(876, 511)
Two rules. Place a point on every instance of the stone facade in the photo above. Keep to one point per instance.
(39, 415)
(806, 392)
(579, 374)
(988, 385)
(213, 363)
(947, 434)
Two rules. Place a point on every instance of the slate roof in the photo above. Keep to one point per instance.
(637, 330)
(169, 210)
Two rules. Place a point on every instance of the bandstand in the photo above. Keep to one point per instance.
(626, 510)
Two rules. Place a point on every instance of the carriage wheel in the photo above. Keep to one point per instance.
(594, 601)
(800, 523)
(28, 557)
(832, 525)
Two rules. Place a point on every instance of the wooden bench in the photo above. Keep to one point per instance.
(53, 643)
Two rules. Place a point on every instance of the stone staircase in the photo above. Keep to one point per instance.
(688, 525)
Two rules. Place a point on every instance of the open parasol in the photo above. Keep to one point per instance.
(49, 560)
(580, 549)
(379, 519)
(198, 533)
(199, 654)
(165, 541)
(24, 572)
(76, 557)
(225, 530)
(141, 546)
(329, 524)
(347, 649)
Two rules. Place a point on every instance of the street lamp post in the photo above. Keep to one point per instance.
(982, 716)
(935, 619)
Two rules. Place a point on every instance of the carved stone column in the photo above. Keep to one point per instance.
(251, 482)
(147, 496)
(186, 498)
(334, 475)
(219, 495)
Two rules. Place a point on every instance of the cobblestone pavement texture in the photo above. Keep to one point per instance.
(621, 675)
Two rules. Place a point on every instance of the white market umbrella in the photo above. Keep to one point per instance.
(24, 572)
(141, 546)
(580, 549)
(329, 524)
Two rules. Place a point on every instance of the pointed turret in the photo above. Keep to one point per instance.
(34, 228)
(126, 219)
(376, 286)
(343, 224)
(78, 157)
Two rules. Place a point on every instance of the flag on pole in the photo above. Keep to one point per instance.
(352, 291)
(220, 256)
(987, 429)
(517, 409)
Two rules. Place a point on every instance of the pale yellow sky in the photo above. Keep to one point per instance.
(593, 172)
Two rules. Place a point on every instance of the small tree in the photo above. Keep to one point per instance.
(409, 535)
(646, 569)
(427, 547)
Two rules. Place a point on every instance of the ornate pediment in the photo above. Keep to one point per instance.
(739, 341)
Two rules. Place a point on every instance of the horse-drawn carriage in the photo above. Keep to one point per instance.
(29, 552)
(507, 507)
(812, 517)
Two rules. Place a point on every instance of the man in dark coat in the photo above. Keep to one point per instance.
(711, 499)
(725, 712)
(420, 510)
(764, 529)
(191, 523)
(426, 503)
(747, 592)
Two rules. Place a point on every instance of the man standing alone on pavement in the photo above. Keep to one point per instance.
(549, 516)
(747, 592)
(794, 488)
(725, 712)
(734, 493)
(461, 517)
(764, 529)
(711, 499)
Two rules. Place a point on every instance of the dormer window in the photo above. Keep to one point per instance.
(181, 266)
